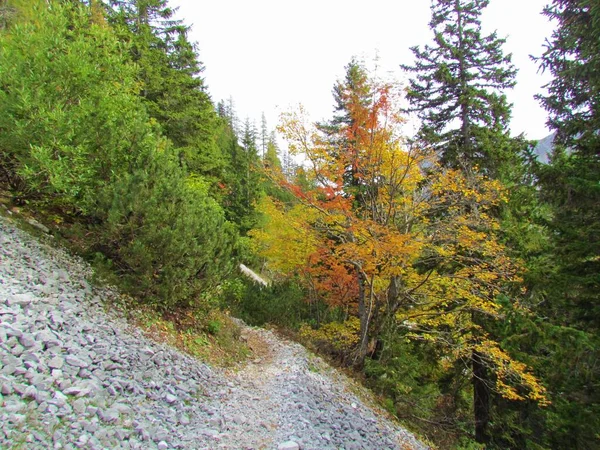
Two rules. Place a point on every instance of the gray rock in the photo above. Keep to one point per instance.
(8, 369)
(17, 350)
(38, 225)
(17, 419)
(10, 331)
(108, 415)
(56, 363)
(59, 399)
(170, 398)
(75, 361)
(73, 390)
(48, 338)
(162, 445)
(184, 419)
(238, 419)
(14, 406)
(6, 388)
(20, 300)
(30, 392)
(31, 357)
(27, 341)
(79, 406)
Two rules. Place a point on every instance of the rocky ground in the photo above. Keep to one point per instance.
(74, 376)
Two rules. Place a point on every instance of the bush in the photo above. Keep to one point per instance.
(170, 241)
(337, 338)
(279, 304)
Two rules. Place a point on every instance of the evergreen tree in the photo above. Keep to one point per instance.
(457, 89)
(78, 138)
(569, 292)
(264, 136)
(271, 157)
(172, 85)
(572, 181)
(457, 92)
(242, 177)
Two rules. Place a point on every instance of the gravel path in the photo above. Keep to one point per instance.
(73, 376)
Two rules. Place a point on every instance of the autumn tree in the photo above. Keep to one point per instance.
(417, 242)
(363, 179)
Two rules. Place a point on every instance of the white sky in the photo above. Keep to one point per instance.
(270, 55)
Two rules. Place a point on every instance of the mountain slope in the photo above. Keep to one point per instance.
(544, 148)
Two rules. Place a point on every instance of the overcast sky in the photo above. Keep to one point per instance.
(270, 55)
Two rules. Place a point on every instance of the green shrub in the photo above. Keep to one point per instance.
(279, 304)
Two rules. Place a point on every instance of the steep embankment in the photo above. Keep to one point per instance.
(75, 376)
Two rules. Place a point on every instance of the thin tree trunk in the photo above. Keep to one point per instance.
(363, 315)
(481, 398)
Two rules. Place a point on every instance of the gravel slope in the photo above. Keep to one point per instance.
(73, 376)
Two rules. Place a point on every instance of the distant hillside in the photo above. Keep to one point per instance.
(544, 147)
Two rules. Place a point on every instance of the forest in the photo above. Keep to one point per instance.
(451, 271)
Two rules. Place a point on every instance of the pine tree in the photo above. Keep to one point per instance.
(242, 176)
(460, 80)
(271, 157)
(78, 138)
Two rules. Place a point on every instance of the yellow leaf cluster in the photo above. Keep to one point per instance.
(286, 239)
(341, 336)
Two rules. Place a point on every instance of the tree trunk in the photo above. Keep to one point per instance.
(363, 314)
(481, 398)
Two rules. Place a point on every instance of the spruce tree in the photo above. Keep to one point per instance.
(457, 89)
(570, 185)
(271, 158)
(572, 181)
(172, 85)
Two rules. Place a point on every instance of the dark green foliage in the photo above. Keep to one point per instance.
(572, 181)
(572, 57)
(564, 276)
(564, 357)
(169, 240)
(242, 180)
(457, 89)
(172, 86)
(281, 304)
